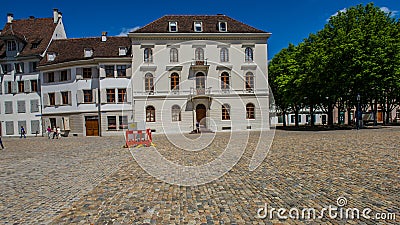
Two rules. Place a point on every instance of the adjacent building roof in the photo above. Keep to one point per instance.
(74, 49)
(35, 33)
(186, 24)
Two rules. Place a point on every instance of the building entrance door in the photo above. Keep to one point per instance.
(201, 114)
(92, 126)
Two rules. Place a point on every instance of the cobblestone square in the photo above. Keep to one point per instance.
(93, 180)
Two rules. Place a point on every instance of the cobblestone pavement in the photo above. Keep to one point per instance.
(95, 181)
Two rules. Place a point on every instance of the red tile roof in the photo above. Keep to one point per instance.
(30, 31)
(186, 24)
(73, 49)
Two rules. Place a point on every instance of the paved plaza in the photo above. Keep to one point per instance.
(93, 180)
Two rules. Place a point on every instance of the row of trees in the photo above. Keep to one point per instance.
(356, 53)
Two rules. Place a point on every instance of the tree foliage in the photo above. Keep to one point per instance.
(357, 52)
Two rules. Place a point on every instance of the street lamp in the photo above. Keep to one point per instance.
(358, 112)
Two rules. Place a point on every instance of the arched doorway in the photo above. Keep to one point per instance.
(201, 111)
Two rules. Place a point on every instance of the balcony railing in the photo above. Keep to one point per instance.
(200, 91)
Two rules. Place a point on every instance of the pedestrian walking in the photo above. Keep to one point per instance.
(22, 132)
(198, 127)
(58, 132)
(48, 131)
(55, 132)
(1, 143)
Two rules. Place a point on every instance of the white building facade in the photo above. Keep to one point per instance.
(206, 69)
(85, 86)
(22, 45)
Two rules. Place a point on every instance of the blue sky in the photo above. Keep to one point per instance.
(289, 21)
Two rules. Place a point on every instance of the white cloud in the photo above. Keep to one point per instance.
(125, 31)
(336, 13)
(387, 10)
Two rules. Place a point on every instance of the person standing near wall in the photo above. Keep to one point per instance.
(22, 132)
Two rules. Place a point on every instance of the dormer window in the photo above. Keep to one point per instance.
(51, 56)
(222, 26)
(35, 45)
(88, 52)
(122, 51)
(11, 46)
(173, 26)
(198, 26)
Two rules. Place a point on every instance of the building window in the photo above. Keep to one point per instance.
(64, 97)
(11, 46)
(51, 56)
(9, 87)
(50, 77)
(121, 70)
(249, 79)
(250, 111)
(110, 95)
(176, 113)
(248, 54)
(111, 122)
(198, 26)
(224, 55)
(122, 95)
(34, 86)
(226, 111)
(222, 26)
(8, 107)
(87, 96)
(21, 106)
(149, 82)
(199, 54)
(174, 81)
(109, 71)
(173, 55)
(19, 67)
(21, 86)
(123, 122)
(150, 114)
(88, 52)
(225, 81)
(6, 68)
(122, 51)
(52, 99)
(32, 67)
(63, 75)
(173, 26)
(148, 55)
(87, 73)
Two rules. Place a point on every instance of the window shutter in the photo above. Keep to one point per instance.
(79, 96)
(6, 87)
(8, 107)
(45, 77)
(58, 98)
(14, 87)
(46, 99)
(95, 72)
(57, 76)
(59, 122)
(68, 74)
(102, 71)
(34, 105)
(21, 106)
(94, 95)
(9, 127)
(35, 126)
(128, 70)
(69, 98)
(66, 123)
(79, 75)
(103, 96)
(47, 123)
(129, 95)
(1, 88)
(27, 86)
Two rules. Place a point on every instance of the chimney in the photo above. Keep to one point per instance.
(10, 17)
(103, 36)
(55, 15)
(31, 17)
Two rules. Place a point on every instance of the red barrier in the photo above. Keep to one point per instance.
(135, 138)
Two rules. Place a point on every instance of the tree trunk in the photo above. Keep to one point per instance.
(284, 118)
(349, 121)
(312, 115)
(296, 116)
(375, 111)
(330, 115)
